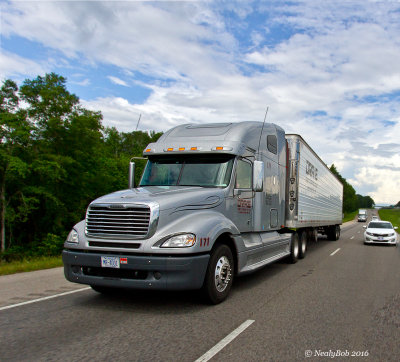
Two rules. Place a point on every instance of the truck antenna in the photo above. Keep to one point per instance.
(262, 129)
(137, 125)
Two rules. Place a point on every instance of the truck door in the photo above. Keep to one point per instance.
(243, 196)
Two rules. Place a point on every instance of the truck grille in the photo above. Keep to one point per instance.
(118, 220)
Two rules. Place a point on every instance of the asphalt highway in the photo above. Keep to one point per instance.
(342, 302)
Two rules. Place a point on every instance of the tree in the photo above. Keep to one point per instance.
(55, 157)
(350, 202)
(15, 138)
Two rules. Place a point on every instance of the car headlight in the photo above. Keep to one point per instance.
(73, 237)
(369, 233)
(179, 241)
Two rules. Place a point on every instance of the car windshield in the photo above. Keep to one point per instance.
(205, 171)
(380, 225)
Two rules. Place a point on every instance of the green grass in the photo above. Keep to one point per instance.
(392, 215)
(31, 264)
(348, 216)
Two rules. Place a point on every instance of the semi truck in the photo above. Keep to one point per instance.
(215, 201)
(362, 215)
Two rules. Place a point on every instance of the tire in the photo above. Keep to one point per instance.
(333, 232)
(294, 248)
(103, 290)
(312, 235)
(303, 245)
(219, 275)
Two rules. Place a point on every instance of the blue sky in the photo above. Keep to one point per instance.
(328, 70)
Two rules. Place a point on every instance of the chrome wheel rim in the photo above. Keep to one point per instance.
(223, 273)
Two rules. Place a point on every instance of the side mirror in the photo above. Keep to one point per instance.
(131, 176)
(364, 226)
(395, 227)
(258, 176)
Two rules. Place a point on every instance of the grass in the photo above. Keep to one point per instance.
(392, 215)
(348, 216)
(31, 264)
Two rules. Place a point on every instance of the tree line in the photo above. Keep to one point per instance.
(351, 200)
(56, 157)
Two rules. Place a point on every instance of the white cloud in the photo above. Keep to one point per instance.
(117, 81)
(14, 66)
(315, 81)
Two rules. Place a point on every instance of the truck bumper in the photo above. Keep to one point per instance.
(137, 272)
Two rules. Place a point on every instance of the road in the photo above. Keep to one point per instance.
(343, 299)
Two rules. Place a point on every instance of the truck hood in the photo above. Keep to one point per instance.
(179, 198)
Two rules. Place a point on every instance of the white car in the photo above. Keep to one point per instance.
(380, 232)
(374, 218)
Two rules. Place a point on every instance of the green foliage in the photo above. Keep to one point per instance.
(351, 201)
(392, 215)
(55, 157)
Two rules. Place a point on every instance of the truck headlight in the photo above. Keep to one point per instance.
(179, 241)
(73, 237)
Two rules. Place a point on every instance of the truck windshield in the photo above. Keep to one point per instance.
(205, 171)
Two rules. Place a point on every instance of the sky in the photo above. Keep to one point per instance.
(327, 70)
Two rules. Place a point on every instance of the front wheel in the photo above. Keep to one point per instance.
(219, 275)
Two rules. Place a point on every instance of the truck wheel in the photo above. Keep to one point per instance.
(294, 248)
(303, 245)
(219, 275)
(334, 232)
(337, 232)
(102, 290)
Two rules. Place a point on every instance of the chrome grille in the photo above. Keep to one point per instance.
(118, 220)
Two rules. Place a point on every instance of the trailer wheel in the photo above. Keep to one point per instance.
(219, 275)
(333, 232)
(294, 248)
(337, 232)
(303, 245)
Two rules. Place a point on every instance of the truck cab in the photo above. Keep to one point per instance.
(210, 206)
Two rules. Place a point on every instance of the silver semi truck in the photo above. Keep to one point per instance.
(215, 201)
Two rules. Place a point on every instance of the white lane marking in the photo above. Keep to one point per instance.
(41, 299)
(224, 342)
(332, 254)
(352, 238)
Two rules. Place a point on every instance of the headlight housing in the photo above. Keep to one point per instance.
(73, 237)
(179, 241)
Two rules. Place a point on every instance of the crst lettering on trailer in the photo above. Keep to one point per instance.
(311, 170)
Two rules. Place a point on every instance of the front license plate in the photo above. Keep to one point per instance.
(109, 262)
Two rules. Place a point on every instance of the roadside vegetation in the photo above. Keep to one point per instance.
(26, 265)
(392, 215)
(55, 158)
(348, 216)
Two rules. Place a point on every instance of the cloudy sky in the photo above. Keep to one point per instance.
(328, 70)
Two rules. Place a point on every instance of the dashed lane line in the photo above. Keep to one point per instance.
(224, 342)
(42, 299)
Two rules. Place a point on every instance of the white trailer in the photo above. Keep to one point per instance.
(315, 195)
